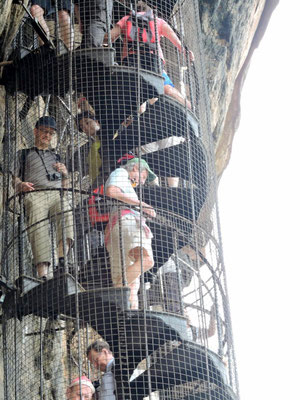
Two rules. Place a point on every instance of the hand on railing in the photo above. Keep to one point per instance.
(149, 210)
(25, 187)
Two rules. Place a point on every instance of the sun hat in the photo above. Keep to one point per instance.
(144, 165)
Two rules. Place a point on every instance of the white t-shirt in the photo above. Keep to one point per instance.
(120, 178)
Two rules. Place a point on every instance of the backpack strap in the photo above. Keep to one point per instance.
(22, 159)
(94, 215)
(140, 28)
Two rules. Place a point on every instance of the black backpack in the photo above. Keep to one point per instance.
(140, 28)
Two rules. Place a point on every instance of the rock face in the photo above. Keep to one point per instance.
(10, 17)
(231, 30)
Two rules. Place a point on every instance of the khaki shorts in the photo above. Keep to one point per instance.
(132, 236)
(40, 208)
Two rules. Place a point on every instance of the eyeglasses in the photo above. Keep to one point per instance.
(46, 130)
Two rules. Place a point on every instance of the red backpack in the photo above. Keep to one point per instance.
(140, 28)
(94, 214)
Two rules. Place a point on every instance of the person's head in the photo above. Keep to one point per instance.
(142, 7)
(88, 123)
(45, 128)
(99, 354)
(138, 171)
(86, 392)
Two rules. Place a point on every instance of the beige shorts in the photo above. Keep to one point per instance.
(132, 236)
(40, 209)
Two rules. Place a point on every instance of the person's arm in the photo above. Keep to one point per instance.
(115, 32)
(17, 183)
(21, 187)
(168, 32)
(116, 193)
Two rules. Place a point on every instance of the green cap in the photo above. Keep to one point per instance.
(144, 165)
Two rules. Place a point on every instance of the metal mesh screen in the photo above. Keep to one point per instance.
(112, 264)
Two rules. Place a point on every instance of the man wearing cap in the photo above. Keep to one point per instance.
(80, 389)
(101, 357)
(135, 235)
(39, 174)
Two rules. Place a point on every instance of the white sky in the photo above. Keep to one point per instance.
(260, 218)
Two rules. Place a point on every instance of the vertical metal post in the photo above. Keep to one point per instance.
(53, 246)
(5, 356)
(109, 43)
(6, 183)
(124, 272)
(219, 328)
(16, 355)
(21, 238)
(41, 359)
(57, 35)
(178, 273)
(160, 70)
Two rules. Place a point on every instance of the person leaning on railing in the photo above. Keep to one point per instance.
(136, 236)
(39, 174)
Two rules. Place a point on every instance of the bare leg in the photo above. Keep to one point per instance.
(42, 269)
(38, 13)
(61, 247)
(173, 92)
(134, 288)
(66, 30)
(133, 273)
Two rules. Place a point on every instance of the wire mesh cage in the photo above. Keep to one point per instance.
(112, 277)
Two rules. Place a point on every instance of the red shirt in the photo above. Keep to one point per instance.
(122, 24)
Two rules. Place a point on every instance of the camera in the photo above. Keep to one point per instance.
(56, 176)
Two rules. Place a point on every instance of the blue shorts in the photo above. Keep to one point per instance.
(167, 80)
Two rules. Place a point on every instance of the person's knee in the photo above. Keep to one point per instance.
(36, 11)
(136, 253)
(168, 90)
(148, 262)
(64, 18)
